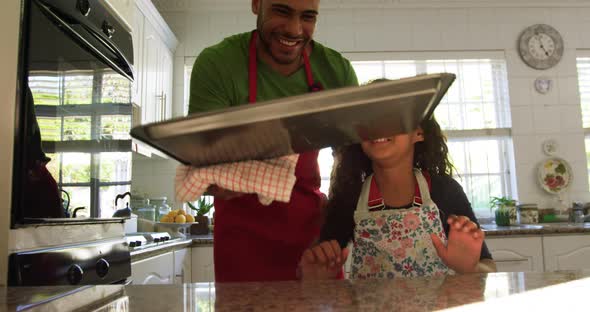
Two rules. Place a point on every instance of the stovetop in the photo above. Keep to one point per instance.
(143, 240)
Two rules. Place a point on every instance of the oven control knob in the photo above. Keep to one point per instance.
(83, 6)
(132, 244)
(137, 243)
(75, 274)
(156, 240)
(102, 268)
(108, 29)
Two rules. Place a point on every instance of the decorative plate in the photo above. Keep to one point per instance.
(555, 175)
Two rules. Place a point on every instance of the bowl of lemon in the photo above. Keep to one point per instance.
(177, 223)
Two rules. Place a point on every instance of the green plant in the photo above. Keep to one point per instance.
(502, 203)
(505, 213)
(203, 206)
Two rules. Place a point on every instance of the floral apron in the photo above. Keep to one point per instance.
(396, 242)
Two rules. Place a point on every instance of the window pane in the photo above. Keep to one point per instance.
(107, 199)
(53, 166)
(400, 69)
(78, 88)
(325, 161)
(367, 71)
(77, 128)
(115, 167)
(50, 128)
(115, 127)
(115, 89)
(584, 87)
(75, 168)
(479, 189)
(79, 197)
(45, 88)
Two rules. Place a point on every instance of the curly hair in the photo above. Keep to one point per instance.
(352, 167)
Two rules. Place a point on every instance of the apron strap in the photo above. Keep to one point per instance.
(361, 204)
(423, 186)
(253, 70)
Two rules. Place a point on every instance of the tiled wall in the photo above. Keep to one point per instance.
(535, 117)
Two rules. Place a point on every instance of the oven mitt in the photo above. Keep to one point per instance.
(271, 179)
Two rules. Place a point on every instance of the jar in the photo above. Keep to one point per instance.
(529, 213)
(142, 208)
(161, 206)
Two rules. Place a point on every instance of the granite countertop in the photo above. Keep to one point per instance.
(469, 292)
(175, 244)
(536, 229)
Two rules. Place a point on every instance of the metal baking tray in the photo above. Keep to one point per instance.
(298, 124)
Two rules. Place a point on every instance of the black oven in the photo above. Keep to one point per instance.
(72, 152)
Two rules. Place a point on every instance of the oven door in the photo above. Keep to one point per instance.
(75, 113)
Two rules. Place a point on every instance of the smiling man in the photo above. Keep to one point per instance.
(255, 242)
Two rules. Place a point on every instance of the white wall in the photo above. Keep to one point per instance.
(427, 25)
(9, 29)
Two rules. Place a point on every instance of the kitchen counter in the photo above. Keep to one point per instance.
(536, 229)
(491, 292)
(175, 244)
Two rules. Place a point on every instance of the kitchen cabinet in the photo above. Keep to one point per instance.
(517, 254)
(155, 270)
(566, 252)
(154, 46)
(182, 266)
(202, 264)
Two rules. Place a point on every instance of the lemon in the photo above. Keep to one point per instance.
(172, 214)
(165, 219)
(182, 212)
(180, 219)
(190, 218)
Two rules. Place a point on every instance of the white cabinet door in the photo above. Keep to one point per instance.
(154, 270)
(518, 254)
(202, 264)
(182, 266)
(151, 50)
(567, 252)
(138, 62)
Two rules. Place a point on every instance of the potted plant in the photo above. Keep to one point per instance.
(505, 212)
(202, 208)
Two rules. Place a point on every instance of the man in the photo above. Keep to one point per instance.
(255, 242)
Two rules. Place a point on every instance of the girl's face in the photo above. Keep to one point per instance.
(392, 150)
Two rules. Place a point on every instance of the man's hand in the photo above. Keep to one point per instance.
(323, 261)
(463, 248)
(221, 193)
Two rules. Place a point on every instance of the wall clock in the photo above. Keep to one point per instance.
(540, 46)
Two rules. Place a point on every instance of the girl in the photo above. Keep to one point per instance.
(390, 195)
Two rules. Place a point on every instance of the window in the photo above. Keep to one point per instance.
(474, 114)
(583, 64)
(85, 118)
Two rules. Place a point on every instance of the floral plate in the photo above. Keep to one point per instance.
(555, 175)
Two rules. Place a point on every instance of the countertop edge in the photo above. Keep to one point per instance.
(191, 241)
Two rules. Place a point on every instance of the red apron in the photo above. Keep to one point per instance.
(254, 242)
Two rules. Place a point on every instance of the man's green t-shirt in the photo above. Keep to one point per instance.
(219, 77)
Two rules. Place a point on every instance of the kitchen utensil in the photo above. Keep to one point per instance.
(298, 124)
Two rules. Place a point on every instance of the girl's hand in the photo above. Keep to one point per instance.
(323, 261)
(463, 248)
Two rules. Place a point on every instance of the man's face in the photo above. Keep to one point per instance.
(285, 27)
